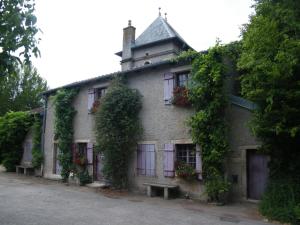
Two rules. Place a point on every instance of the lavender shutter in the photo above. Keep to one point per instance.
(168, 87)
(169, 154)
(198, 162)
(150, 159)
(91, 98)
(141, 164)
(73, 152)
(89, 153)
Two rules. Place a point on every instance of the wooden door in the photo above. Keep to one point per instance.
(98, 166)
(257, 174)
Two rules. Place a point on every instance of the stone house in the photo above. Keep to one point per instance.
(145, 61)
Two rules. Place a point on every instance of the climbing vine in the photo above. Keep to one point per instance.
(63, 128)
(208, 125)
(117, 130)
(37, 156)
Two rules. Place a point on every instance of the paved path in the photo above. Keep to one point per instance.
(36, 201)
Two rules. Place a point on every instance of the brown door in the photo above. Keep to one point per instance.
(98, 165)
(257, 174)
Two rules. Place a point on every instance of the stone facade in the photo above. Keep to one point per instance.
(162, 123)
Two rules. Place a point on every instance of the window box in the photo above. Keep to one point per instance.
(95, 106)
(180, 96)
(185, 171)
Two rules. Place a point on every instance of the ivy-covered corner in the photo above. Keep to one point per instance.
(37, 154)
(63, 128)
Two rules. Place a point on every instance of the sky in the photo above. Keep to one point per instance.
(80, 37)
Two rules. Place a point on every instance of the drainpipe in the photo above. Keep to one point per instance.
(43, 133)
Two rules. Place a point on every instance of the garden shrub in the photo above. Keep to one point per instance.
(13, 129)
(117, 130)
(282, 201)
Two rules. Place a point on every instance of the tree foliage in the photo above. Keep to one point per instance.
(18, 30)
(21, 90)
(63, 128)
(13, 129)
(117, 130)
(271, 78)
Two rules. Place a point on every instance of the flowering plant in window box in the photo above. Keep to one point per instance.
(180, 96)
(95, 106)
(184, 170)
(80, 160)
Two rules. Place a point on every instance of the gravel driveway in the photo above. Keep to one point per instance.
(36, 201)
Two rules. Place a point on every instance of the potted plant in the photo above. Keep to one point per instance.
(80, 159)
(180, 96)
(185, 170)
(95, 106)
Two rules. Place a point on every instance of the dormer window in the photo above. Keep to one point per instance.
(101, 92)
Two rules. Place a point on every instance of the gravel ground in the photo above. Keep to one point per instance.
(36, 201)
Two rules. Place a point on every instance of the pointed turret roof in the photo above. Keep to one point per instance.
(159, 30)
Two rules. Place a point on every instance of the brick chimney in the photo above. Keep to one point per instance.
(128, 41)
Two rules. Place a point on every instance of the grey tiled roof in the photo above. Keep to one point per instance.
(159, 30)
(242, 102)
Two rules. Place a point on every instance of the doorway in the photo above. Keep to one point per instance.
(97, 167)
(257, 174)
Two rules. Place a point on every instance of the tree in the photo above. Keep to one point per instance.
(270, 62)
(18, 30)
(21, 90)
(117, 130)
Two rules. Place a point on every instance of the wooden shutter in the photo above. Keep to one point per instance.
(73, 152)
(198, 162)
(141, 165)
(169, 157)
(89, 153)
(168, 87)
(150, 159)
(91, 98)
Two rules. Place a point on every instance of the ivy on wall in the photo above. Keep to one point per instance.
(117, 130)
(63, 128)
(208, 126)
(37, 155)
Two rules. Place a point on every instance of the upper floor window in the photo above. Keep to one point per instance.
(182, 79)
(101, 92)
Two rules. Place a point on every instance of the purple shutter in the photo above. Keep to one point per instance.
(91, 98)
(89, 153)
(150, 159)
(169, 156)
(141, 164)
(198, 162)
(73, 152)
(57, 166)
(168, 87)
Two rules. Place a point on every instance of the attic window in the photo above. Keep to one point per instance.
(147, 62)
(147, 54)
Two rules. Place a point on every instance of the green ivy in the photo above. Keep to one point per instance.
(37, 155)
(208, 125)
(13, 129)
(117, 130)
(63, 128)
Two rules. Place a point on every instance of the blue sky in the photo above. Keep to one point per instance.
(80, 38)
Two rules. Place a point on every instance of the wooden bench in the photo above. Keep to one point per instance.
(166, 188)
(25, 168)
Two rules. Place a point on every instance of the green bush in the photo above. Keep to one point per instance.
(217, 188)
(37, 155)
(281, 201)
(117, 130)
(84, 177)
(13, 129)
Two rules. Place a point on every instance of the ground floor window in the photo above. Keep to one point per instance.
(146, 159)
(186, 153)
(80, 154)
